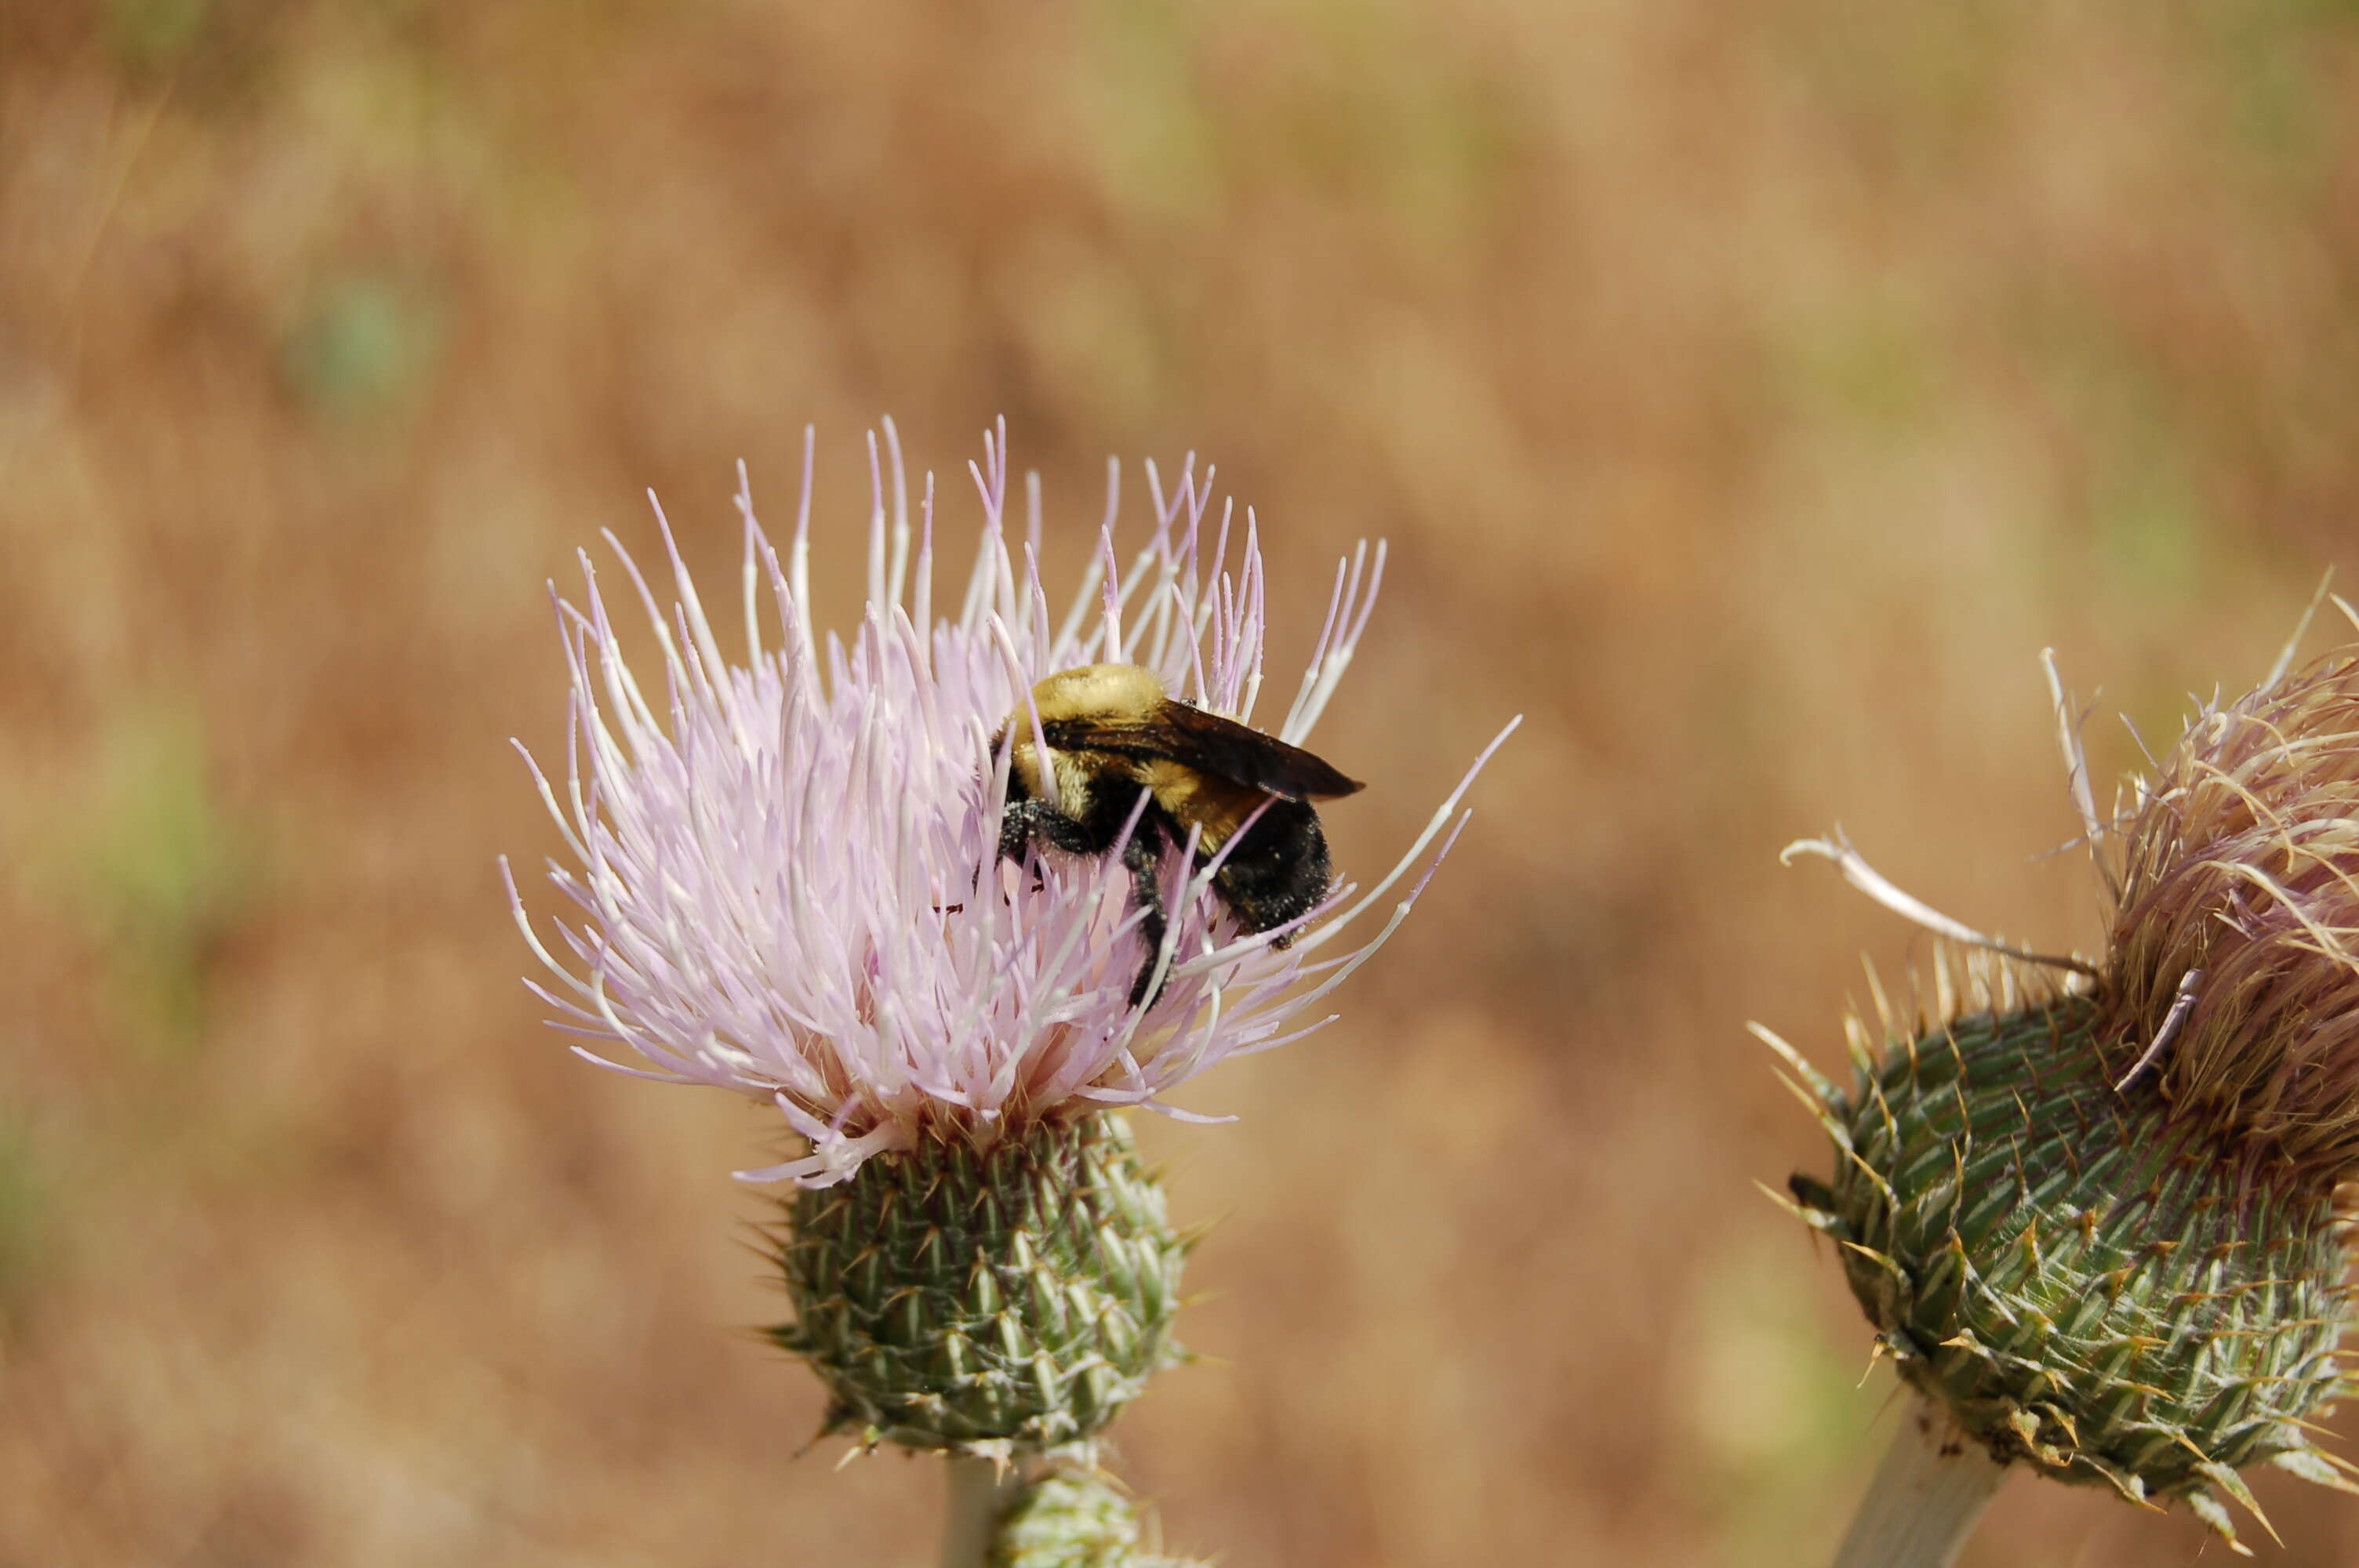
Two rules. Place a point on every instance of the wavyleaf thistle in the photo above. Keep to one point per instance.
(785, 878)
(2092, 1218)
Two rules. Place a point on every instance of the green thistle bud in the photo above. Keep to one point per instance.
(1074, 1519)
(2095, 1223)
(996, 1302)
(1068, 1518)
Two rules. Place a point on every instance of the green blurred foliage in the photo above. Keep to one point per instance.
(1777, 1401)
(365, 345)
(148, 35)
(26, 1213)
(161, 872)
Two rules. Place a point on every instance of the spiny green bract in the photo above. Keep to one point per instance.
(2081, 1278)
(996, 1302)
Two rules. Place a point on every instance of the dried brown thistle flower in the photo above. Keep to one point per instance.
(2236, 937)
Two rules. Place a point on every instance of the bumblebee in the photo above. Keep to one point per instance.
(1111, 731)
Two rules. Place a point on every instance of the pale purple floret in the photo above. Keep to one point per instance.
(784, 870)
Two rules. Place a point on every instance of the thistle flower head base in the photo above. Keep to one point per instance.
(994, 1302)
(2076, 1280)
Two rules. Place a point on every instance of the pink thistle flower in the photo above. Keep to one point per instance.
(784, 876)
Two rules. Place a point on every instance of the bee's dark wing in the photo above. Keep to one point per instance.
(1208, 742)
(1245, 755)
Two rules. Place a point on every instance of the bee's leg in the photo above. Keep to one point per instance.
(1015, 817)
(1144, 855)
(1025, 821)
(1016, 829)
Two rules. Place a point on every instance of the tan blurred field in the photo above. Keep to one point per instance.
(1749, 393)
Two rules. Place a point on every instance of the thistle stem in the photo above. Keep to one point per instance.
(979, 1492)
(1932, 1486)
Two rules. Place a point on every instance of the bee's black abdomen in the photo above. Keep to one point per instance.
(1276, 871)
(1273, 873)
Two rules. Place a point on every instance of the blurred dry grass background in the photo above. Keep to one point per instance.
(1749, 393)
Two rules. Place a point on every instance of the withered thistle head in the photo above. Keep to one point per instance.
(2094, 1221)
(2238, 908)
